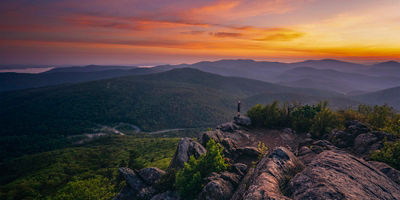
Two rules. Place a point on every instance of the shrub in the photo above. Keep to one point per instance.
(257, 115)
(323, 122)
(303, 116)
(272, 115)
(390, 154)
(189, 180)
(262, 149)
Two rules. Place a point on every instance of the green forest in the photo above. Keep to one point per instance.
(85, 172)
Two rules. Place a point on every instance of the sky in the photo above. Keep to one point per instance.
(150, 32)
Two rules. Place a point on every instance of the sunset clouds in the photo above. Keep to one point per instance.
(171, 31)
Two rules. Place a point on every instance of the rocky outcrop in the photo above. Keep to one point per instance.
(344, 139)
(186, 148)
(270, 173)
(139, 184)
(168, 195)
(228, 127)
(364, 142)
(359, 139)
(387, 170)
(339, 175)
(307, 153)
(308, 169)
(242, 120)
(222, 185)
(216, 135)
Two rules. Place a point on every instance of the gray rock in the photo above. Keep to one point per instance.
(383, 135)
(151, 175)
(231, 177)
(387, 170)
(363, 141)
(229, 144)
(342, 139)
(126, 193)
(250, 152)
(239, 168)
(306, 155)
(132, 179)
(212, 176)
(242, 120)
(216, 135)
(228, 127)
(186, 148)
(220, 189)
(338, 175)
(270, 172)
(139, 184)
(168, 195)
(289, 131)
(355, 128)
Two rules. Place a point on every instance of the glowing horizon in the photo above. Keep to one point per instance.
(170, 31)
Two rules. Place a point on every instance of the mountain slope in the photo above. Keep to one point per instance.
(390, 68)
(389, 96)
(328, 79)
(177, 98)
(89, 68)
(16, 81)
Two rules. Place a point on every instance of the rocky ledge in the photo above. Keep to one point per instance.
(333, 168)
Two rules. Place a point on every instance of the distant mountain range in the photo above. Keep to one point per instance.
(327, 74)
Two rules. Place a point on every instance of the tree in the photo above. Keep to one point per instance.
(323, 122)
(257, 115)
(189, 180)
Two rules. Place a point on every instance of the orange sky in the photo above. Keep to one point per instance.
(172, 31)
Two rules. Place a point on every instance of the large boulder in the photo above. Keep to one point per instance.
(307, 153)
(364, 142)
(150, 175)
(168, 195)
(387, 170)
(345, 139)
(270, 173)
(342, 139)
(218, 188)
(139, 184)
(339, 175)
(216, 135)
(242, 120)
(355, 127)
(228, 127)
(239, 168)
(186, 147)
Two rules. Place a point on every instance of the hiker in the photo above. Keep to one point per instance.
(238, 108)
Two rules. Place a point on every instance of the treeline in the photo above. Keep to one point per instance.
(320, 119)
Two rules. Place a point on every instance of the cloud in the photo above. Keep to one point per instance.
(193, 32)
(226, 34)
(281, 37)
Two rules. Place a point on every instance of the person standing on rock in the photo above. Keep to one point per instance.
(238, 108)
